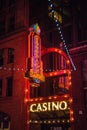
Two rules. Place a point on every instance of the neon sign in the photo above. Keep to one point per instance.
(36, 63)
(49, 106)
(34, 54)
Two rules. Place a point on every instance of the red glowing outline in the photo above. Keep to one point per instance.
(59, 51)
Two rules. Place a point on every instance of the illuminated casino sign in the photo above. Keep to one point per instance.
(49, 106)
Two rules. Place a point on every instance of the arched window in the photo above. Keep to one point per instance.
(4, 121)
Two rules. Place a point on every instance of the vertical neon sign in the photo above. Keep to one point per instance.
(34, 48)
(36, 54)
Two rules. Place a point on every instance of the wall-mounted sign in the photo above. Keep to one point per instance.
(34, 65)
(36, 70)
(49, 106)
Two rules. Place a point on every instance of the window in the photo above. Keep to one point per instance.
(9, 86)
(10, 55)
(51, 87)
(11, 2)
(4, 121)
(84, 72)
(11, 23)
(11, 19)
(35, 92)
(84, 80)
(7, 17)
(82, 21)
(1, 57)
(2, 24)
(0, 87)
(2, 4)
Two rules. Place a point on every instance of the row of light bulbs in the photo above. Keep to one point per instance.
(22, 69)
(48, 121)
(60, 31)
(49, 98)
(15, 69)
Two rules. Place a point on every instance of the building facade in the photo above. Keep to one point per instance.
(19, 101)
(13, 53)
(79, 81)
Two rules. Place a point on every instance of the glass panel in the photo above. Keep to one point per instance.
(10, 55)
(2, 4)
(0, 87)
(9, 86)
(1, 57)
(11, 2)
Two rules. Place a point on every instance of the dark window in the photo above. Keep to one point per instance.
(10, 55)
(7, 16)
(11, 19)
(2, 4)
(6, 124)
(82, 21)
(34, 92)
(4, 121)
(1, 57)
(9, 86)
(51, 87)
(2, 26)
(84, 72)
(11, 2)
(84, 80)
(0, 87)
(11, 23)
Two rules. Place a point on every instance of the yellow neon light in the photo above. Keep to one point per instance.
(36, 75)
